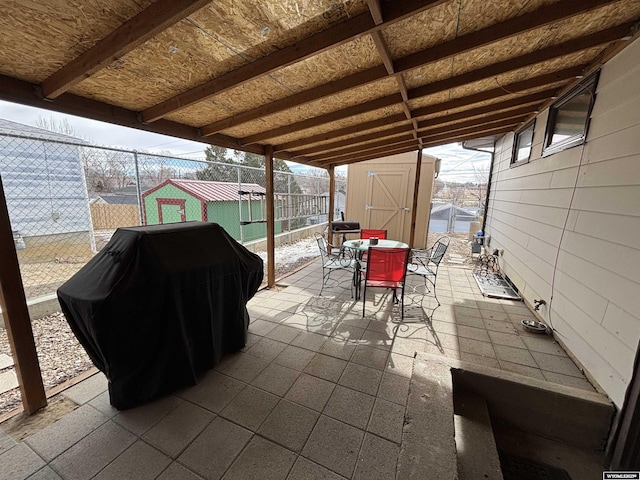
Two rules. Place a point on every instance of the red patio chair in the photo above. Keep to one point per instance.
(386, 268)
(367, 233)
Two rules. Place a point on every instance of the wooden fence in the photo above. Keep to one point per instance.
(106, 216)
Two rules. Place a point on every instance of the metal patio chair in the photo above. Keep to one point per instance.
(386, 268)
(425, 263)
(334, 262)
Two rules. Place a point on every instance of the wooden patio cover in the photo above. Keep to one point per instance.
(319, 82)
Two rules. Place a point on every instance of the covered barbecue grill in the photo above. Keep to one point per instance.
(160, 304)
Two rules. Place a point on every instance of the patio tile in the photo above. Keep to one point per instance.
(544, 344)
(556, 364)
(339, 348)
(175, 431)
(211, 453)
(440, 326)
(310, 391)
(468, 311)
(175, 471)
(19, 462)
(400, 365)
(499, 338)
(476, 347)
(469, 321)
(473, 332)
(334, 445)
(307, 470)
(377, 339)
(6, 442)
(57, 437)
(492, 315)
(140, 419)
(348, 333)
(295, 358)
(8, 381)
(394, 388)
(370, 357)
(45, 473)
(5, 361)
(289, 424)
(88, 389)
(283, 333)
(139, 462)
(250, 407)
(568, 380)
(522, 369)
(261, 327)
(514, 355)
(267, 349)
(479, 359)
(276, 379)
(309, 340)
(102, 403)
(243, 367)
(499, 326)
(349, 406)
(213, 392)
(377, 459)
(252, 339)
(262, 460)
(361, 378)
(94, 452)
(328, 368)
(387, 420)
(408, 346)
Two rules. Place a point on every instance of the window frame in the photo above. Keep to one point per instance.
(514, 154)
(589, 83)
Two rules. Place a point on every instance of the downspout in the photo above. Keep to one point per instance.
(486, 200)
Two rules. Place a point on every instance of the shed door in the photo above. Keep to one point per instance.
(171, 210)
(386, 202)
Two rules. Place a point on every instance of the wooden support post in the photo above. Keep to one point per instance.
(414, 205)
(332, 195)
(271, 227)
(16, 318)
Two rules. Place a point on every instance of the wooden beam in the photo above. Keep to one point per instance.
(376, 11)
(326, 118)
(414, 203)
(354, 140)
(513, 116)
(462, 135)
(332, 194)
(314, 45)
(506, 29)
(366, 107)
(377, 148)
(383, 51)
(365, 146)
(377, 73)
(154, 19)
(18, 91)
(544, 54)
(16, 318)
(361, 127)
(271, 230)
(371, 156)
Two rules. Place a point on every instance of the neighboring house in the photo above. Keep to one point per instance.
(447, 218)
(46, 192)
(180, 200)
(566, 213)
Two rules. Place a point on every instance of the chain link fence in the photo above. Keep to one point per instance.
(66, 199)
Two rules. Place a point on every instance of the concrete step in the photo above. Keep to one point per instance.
(477, 453)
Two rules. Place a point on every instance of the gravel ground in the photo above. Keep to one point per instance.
(62, 357)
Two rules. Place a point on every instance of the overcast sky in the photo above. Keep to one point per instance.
(457, 164)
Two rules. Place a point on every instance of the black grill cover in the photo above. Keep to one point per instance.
(160, 304)
(344, 226)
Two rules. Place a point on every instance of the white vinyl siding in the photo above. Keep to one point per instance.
(596, 299)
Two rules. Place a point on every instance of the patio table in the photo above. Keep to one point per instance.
(360, 246)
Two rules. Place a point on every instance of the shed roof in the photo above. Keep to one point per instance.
(321, 82)
(208, 191)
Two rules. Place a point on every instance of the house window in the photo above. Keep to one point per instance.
(569, 117)
(522, 145)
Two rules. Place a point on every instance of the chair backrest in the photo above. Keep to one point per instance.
(322, 245)
(439, 249)
(387, 264)
(366, 233)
